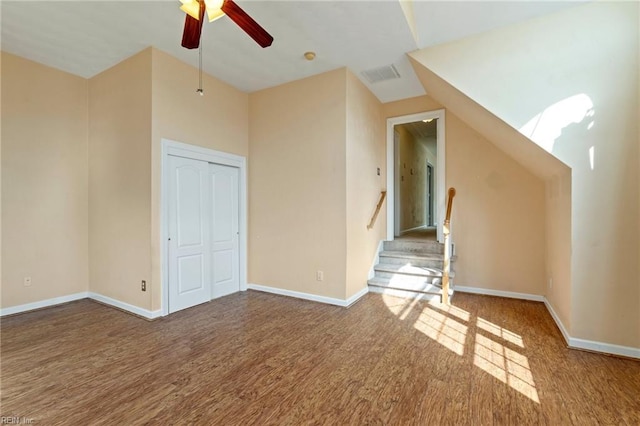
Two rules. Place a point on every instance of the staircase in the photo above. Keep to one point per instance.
(411, 268)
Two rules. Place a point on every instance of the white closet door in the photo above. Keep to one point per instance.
(189, 233)
(225, 252)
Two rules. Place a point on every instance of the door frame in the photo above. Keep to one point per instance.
(440, 164)
(170, 147)
(430, 190)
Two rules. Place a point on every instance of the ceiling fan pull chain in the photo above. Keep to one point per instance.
(200, 91)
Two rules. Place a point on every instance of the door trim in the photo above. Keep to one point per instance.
(440, 164)
(170, 147)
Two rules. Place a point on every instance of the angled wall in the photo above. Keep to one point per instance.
(569, 82)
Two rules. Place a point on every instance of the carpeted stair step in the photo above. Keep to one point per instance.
(401, 288)
(412, 246)
(429, 260)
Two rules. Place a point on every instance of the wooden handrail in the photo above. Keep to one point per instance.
(446, 232)
(383, 195)
(452, 193)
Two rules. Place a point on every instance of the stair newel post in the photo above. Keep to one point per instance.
(446, 233)
(446, 263)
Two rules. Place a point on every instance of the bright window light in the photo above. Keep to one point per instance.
(547, 126)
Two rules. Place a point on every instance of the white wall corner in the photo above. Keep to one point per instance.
(556, 318)
(141, 312)
(353, 299)
(591, 345)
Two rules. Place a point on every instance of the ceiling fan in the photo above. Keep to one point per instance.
(216, 9)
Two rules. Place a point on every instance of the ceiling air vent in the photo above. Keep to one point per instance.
(376, 75)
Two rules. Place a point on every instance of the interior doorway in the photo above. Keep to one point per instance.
(416, 174)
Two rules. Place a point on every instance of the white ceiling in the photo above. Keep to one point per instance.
(87, 37)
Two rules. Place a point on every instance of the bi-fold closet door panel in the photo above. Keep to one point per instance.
(203, 232)
(224, 245)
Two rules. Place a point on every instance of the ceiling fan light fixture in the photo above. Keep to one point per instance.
(214, 10)
(191, 8)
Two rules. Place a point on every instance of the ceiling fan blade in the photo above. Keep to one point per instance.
(193, 29)
(244, 21)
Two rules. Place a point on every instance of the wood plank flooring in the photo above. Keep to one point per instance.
(256, 358)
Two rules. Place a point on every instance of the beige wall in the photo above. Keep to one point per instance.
(44, 182)
(297, 191)
(499, 215)
(120, 180)
(218, 120)
(495, 197)
(365, 152)
(580, 89)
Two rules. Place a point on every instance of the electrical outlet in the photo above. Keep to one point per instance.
(27, 281)
(319, 275)
(144, 285)
(550, 282)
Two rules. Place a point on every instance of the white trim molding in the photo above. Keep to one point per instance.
(308, 296)
(499, 293)
(79, 296)
(43, 303)
(591, 345)
(145, 313)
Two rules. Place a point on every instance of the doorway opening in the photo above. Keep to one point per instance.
(416, 175)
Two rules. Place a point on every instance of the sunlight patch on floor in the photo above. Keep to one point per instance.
(445, 330)
(397, 305)
(500, 332)
(506, 365)
(447, 325)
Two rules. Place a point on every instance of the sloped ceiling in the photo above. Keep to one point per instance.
(87, 37)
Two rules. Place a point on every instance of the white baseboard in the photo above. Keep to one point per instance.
(591, 345)
(43, 303)
(572, 342)
(309, 296)
(77, 296)
(559, 323)
(499, 293)
(353, 299)
(145, 313)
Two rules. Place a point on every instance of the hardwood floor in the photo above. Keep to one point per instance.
(256, 358)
